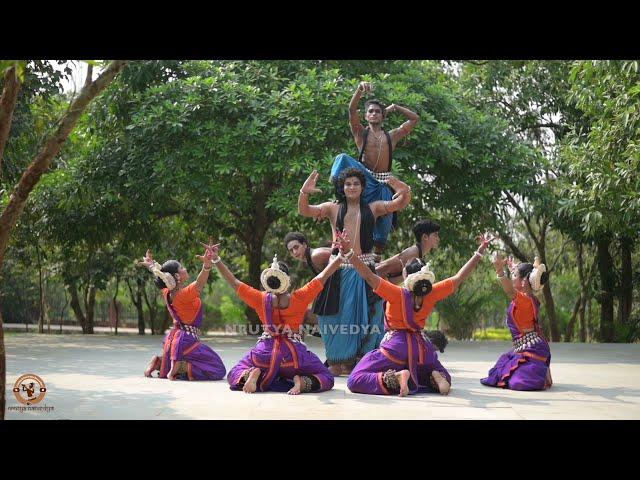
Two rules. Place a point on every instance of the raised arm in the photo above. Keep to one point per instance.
(363, 270)
(329, 270)
(224, 271)
(405, 129)
(473, 262)
(206, 260)
(318, 212)
(400, 200)
(499, 263)
(354, 119)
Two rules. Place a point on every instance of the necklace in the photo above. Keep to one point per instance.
(379, 138)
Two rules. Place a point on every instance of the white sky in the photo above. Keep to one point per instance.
(79, 72)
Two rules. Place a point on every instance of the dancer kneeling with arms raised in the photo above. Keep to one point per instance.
(527, 365)
(184, 356)
(406, 361)
(279, 358)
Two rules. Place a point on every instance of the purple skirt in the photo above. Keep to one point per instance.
(279, 360)
(202, 362)
(402, 350)
(524, 370)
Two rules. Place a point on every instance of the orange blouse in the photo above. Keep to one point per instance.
(293, 315)
(395, 307)
(186, 303)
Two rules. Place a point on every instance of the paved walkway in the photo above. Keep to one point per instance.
(101, 377)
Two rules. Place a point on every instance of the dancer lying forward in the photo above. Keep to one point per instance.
(406, 361)
(183, 356)
(279, 356)
(526, 366)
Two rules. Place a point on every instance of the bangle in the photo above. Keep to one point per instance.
(303, 193)
(206, 269)
(500, 276)
(217, 261)
(349, 254)
(478, 254)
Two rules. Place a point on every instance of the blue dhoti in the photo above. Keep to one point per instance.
(358, 327)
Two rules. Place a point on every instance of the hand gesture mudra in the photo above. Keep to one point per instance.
(147, 260)
(499, 261)
(485, 239)
(365, 87)
(310, 184)
(390, 109)
(210, 252)
(342, 241)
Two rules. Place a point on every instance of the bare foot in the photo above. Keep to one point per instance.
(443, 385)
(548, 380)
(296, 385)
(154, 365)
(174, 370)
(403, 379)
(346, 369)
(336, 370)
(252, 382)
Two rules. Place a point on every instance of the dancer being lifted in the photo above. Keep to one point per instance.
(375, 159)
(357, 327)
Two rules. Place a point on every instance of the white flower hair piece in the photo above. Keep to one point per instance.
(424, 273)
(166, 277)
(536, 274)
(274, 271)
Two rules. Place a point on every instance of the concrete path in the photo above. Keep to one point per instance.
(101, 377)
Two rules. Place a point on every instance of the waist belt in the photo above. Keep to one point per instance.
(191, 330)
(527, 340)
(368, 258)
(382, 177)
(293, 336)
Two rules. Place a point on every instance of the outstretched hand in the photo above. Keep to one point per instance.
(485, 239)
(310, 184)
(147, 260)
(499, 261)
(210, 253)
(342, 241)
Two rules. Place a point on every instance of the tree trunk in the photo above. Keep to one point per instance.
(51, 148)
(3, 369)
(41, 291)
(589, 312)
(77, 309)
(115, 303)
(90, 307)
(258, 227)
(64, 307)
(605, 296)
(11, 87)
(574, 314)
(580, 301)
(136, 298)
(549, 303)
(140, 284)
(153, 311)
(625, 300)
